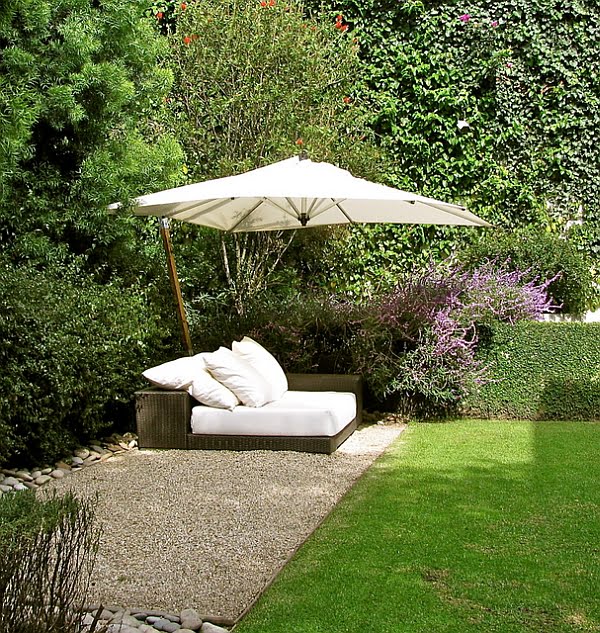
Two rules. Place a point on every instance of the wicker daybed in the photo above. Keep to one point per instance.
(163, 420)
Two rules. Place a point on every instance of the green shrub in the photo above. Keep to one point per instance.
(72, 355)
(47, 554)
(540, 371)
(305, 333)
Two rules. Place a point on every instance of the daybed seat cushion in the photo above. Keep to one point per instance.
(296, 413)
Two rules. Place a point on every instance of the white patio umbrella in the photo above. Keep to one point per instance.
(297, 193)
(291, 194)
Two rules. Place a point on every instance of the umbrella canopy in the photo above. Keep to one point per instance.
(291, 194)
(297, 193)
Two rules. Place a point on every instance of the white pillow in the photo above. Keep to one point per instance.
(190, 373)
(176, 374)
(264, 362)
(211, 392)
(238, 375)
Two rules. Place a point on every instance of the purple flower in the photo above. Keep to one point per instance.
(495, 23)
(465, 17)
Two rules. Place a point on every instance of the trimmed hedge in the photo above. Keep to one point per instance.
(548, 371)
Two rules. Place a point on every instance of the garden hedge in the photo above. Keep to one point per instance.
(541, 370)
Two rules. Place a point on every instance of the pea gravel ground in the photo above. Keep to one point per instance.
(210, 529)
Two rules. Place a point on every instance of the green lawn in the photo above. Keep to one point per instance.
(463, 526)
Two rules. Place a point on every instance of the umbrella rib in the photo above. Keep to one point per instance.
(249, 212)
(459, 212)
(334, 203)
(338, 205)
(291, 203)
(219, 203)
(282, 208)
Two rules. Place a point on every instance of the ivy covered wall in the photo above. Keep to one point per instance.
(493, 104)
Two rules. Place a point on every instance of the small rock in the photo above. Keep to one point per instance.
(82, 453)
(146, 628)
(126, 620)
(20, 487)
(190, 619)
(47, 471)
(132, 444)
(57, 474)
(139, 615)
(105, 614)
(97, 449)
(42, 479)
(113, 448)
(160, 623)
(182, 630)
(23, 475)
(9, 472)
(207, 627)
(35, 474)
(10, 481)
(88, 619)
(63, 465)
(30, 484)
(151, 619)
(171, 617)
(5, 488)
(171, 627)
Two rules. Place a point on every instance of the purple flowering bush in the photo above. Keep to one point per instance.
(415, 345)
(418, 343)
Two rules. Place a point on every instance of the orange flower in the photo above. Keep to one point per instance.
(271, 3)
(159, 15)
(299, 141)
(263, 3)
(183, 6)
(187, 39)
(347, 99)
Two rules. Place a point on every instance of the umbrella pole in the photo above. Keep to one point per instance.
(185, 331)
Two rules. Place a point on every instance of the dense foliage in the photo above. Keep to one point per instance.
(78, 78)
(72, 353)
(78, 83)
(495, 105)
(540, 371)
(541, 255)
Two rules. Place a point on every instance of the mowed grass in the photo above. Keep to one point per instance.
(463, 526)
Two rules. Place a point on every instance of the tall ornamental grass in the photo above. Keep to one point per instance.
(47, 553)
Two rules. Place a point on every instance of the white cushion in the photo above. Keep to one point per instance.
(176, 374)
(239, 376)
(264, 362)
(190, 373)
(296, 414)
(211, 392)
